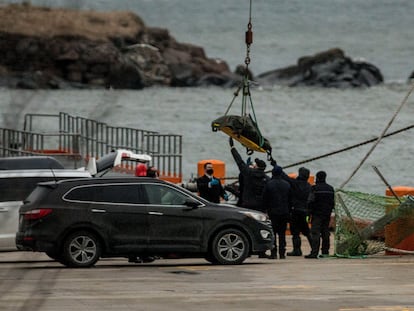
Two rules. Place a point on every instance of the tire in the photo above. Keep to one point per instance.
(81, 249)
(230, 247)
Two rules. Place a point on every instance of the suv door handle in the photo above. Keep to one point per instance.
(156, 213)
(3, 210)
(94, 210)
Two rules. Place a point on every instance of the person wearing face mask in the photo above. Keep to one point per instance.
(210, 187)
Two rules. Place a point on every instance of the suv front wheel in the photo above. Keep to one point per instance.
(230, 247)
(81, 249)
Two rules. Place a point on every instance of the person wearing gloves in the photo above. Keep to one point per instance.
(254, 180)
(209, 187)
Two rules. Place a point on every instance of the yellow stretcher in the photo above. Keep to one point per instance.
(244, 130)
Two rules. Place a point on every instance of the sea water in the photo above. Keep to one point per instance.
(300, 123)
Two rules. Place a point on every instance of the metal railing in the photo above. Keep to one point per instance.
(77, 139)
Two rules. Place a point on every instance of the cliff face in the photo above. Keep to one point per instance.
(60, 48)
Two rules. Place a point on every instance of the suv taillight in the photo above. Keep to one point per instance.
(37, 213)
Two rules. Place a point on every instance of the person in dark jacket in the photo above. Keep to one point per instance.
(300, 191)
(322, 202)
(276, 199)
(241, 184)
(254, 179)
(210, 187)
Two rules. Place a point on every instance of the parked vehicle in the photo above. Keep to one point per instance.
(20, 175)
(29, 163)
(79, 221)
(15, 185)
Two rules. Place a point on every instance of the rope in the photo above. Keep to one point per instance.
(246, 86)
(236, 93)
(341, 150)
(379, 138)
(397, 250)
(348, 148)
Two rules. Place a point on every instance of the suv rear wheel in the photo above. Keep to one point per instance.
(230, 247)
(81, 249)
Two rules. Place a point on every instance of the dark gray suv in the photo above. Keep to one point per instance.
(78, 221)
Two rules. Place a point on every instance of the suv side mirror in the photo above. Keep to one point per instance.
(191, 203)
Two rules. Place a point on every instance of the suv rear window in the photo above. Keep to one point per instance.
(111, 193)
(39, 192)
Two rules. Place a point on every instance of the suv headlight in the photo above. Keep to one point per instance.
(256, 216)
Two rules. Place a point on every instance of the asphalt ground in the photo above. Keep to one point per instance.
(32, 281)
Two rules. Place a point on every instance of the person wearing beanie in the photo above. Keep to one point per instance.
(299, 212)
(276, 199)
(254, 179)
(260, 164)
(321, 204)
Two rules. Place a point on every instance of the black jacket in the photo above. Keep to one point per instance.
(212, 193)
(300, 192)
(322, 199)
(254, 180)
(276, 196)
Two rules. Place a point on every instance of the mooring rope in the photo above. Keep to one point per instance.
(379, 138)
(341, 150)
(397, 250)
(349, 147)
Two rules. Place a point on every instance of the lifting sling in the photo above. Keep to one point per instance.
(244, 128)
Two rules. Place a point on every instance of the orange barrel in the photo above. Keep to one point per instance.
(311, 178)
(218, 166)
(399, 234)
(400, 191)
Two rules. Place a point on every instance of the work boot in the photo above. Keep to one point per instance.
(296, 247)
(263, 255)
(273, 254)
(311, 256)
(295, 252)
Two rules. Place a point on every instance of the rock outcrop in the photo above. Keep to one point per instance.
(60, 48)
(326, 69)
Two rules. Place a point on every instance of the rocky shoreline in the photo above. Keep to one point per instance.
(44, 48)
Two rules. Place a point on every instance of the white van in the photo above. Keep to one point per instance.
(20, 175)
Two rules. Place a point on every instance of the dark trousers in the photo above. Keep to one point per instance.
(320, 230)
(279, 224)
(298, 225)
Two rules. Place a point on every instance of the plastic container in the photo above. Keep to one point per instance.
(218, 166)
(399, 234)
